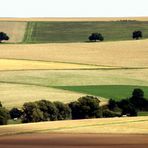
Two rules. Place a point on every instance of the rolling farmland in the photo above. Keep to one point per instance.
(53, 60)
(72, 69)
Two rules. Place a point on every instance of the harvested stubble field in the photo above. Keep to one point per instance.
(15, 95)
(116, 54)
(13, 64)
(126, 125)
(15, 30)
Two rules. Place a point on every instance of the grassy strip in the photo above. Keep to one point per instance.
(28, 33)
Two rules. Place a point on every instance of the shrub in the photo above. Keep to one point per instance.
(108, 113)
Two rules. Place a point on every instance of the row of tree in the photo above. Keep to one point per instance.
(84, 108)
(99, 37)
(93, 37)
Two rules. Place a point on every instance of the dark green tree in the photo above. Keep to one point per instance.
(85, 107)
(31, 113)
(15, 113)
(127, 107)
(3, 36)
(64, 111)
(137, 35)
(4, 116)
(112, 104)
(95, 37)
(138, 99)
(1, 104)
(49, 110)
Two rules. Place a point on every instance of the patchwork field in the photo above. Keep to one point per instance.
(67, 32)
(15, 30)
(133, 125)
(71, 69)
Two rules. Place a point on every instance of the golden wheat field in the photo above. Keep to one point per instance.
(122, 53)
(15, 95)
(130, 125)
(15, 30)
(10, 64)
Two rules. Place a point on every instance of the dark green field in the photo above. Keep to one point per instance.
(54, 32)
(116, 92)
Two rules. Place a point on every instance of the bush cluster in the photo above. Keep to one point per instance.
(84, 108)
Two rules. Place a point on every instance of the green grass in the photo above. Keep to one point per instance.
(44, 32)
(11, 121)
(116, 92)
(143, 113)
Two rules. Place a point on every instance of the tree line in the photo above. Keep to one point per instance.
(93, 37)
(99, 37)
(84, 108)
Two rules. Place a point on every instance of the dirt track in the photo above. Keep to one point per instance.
(74, 141)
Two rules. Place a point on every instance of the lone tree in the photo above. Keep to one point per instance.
(137, 35)
(138, 99)
(3, 36)
(95, 37)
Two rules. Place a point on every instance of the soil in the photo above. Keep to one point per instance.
(74, 141)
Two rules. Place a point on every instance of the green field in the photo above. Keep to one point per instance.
(116, 92)
(59, 32)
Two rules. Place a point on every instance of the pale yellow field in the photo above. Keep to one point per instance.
(15, 95)
(130, 125)
(15, 30)
(122, 53)
(10, 64)
(76, 19)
